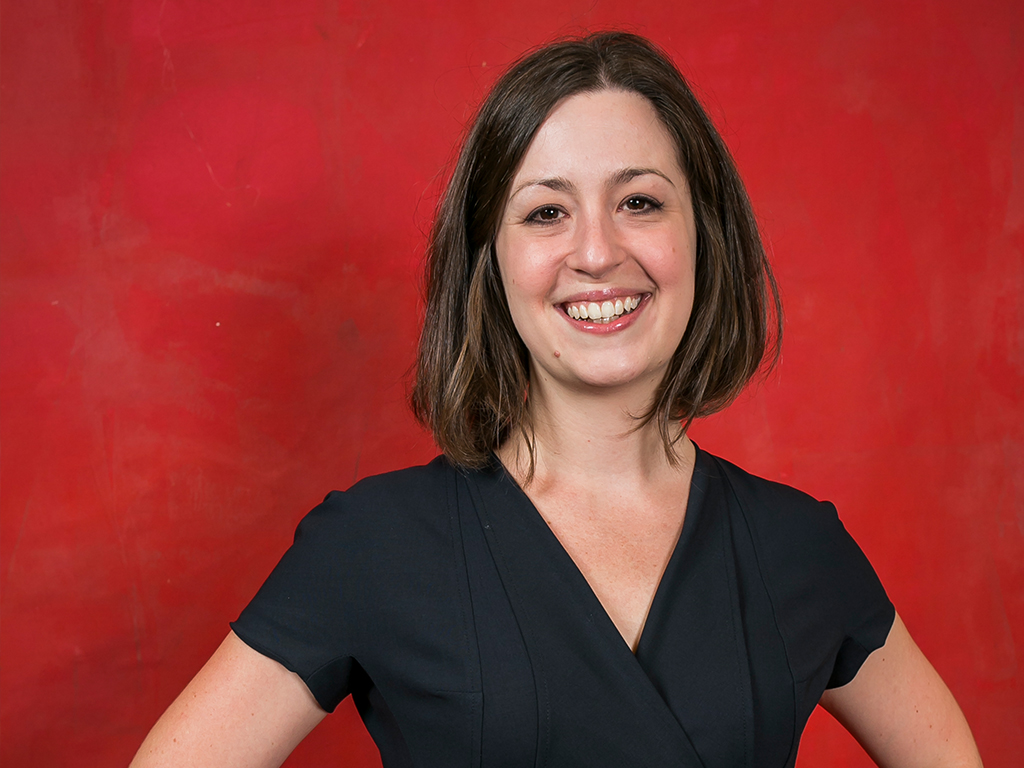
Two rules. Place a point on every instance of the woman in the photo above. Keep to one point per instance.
(575, 582)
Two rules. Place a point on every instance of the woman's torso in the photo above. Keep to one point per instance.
(468, 635)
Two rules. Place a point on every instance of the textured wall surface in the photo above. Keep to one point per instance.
(212, 225)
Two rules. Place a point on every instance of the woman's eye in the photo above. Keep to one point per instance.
(546, 213)
(640, 204)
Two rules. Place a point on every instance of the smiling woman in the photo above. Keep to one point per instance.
(575, 582)
(600, 219)
(472, 367)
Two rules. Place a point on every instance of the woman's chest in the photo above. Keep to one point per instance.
(530, 668)
(620, 542)
(622, 556)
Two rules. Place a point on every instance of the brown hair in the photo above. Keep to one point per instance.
(472, 370)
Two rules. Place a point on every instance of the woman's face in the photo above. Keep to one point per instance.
(597, 244)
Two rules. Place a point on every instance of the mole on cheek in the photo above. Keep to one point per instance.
(557, 353)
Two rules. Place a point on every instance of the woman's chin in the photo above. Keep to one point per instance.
(614, 381)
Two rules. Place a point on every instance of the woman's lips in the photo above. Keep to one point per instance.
(604, 313)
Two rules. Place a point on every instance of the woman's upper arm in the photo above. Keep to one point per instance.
(242, 709)
(900, 711)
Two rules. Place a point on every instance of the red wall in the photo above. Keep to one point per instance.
(212, 223)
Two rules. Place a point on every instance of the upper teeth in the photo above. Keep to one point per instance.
(591, 310)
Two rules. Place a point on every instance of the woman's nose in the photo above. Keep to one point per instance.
(596, 250)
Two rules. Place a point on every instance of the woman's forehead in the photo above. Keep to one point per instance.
(598, 134)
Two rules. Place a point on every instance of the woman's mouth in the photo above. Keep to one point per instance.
(601, 313)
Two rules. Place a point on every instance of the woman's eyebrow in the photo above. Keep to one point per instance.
(561, 184)
(557, 183)
(628, 174)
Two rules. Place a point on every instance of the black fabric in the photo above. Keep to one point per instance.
(446, 606)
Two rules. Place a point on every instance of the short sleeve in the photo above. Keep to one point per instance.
(863, 607)
(298, 616)
(832, 605)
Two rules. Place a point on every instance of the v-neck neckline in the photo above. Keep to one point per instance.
(694, 497)
(584, 671)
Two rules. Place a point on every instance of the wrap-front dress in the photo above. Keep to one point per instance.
(442, 602)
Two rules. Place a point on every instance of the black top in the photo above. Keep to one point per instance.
(444, 604)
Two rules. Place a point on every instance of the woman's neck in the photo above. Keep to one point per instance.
(591, 437)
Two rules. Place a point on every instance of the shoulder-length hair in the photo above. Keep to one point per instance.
(472, 369)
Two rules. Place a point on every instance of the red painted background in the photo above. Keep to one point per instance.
(212, 225)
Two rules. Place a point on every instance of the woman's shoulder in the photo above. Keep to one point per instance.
(766, 499)
(421, 483)
(788, 526)
(799, 540)
(401, 505)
